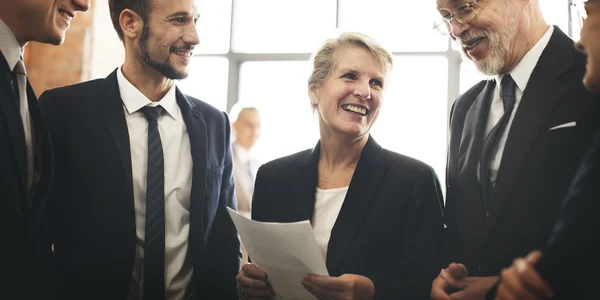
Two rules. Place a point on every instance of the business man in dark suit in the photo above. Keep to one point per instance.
(515, 140)
(144, 173)
(568, 267)
(26, 161)
(376, 215)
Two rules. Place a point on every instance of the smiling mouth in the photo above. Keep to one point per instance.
(186, 53)
(67, 15)
(363, 111)
(472, 44)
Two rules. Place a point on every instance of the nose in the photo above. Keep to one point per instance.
(191, 36)
(82, 5)
(362, 91)
(457, 28)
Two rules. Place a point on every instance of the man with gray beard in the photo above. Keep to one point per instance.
(515, 140)
(143, 172)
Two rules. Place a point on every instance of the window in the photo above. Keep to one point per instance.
(214, 26)
(279, 89)
(398, 25)
(413, 120)
(207, 80)
(272, 26)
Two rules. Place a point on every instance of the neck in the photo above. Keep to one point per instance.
(341, 152)
(10, 17)
(525, 40)
(145, 78)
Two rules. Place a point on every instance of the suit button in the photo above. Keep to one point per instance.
(487, 214)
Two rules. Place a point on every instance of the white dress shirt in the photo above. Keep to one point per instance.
(178, 184)
(245, 166)
(520, 74)
(328, 204)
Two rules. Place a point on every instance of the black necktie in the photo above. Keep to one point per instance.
(154, 250)
(489, 149)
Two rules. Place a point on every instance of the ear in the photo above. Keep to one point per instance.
(313, 93)
(131, 24)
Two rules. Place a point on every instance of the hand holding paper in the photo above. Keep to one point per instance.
(287, 252)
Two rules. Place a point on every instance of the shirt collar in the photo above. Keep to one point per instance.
(242, 153)
(134, 100)
(9, 46)
(522, 72)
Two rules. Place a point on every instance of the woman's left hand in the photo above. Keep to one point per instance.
(347, 286)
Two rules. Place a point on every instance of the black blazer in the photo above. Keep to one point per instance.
(94, 218)
(389, 228)
(21, 252)
(537, 165)
(570, 260)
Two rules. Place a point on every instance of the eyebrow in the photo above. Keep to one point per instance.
(346, 70)
(183, 14)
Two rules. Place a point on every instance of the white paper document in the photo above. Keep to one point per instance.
(286, 251)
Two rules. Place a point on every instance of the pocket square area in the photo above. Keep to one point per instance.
(566, 125)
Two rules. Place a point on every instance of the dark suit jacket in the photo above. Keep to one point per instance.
(537, 165)
(21, 252)
(95, 234)
(570, 262)
(390, 226)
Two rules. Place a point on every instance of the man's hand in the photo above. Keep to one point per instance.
(476, 288)
(449, 280)
(347, 286)
(522, 281)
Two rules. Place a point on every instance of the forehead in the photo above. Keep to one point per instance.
(450, 4)
(168, 7)
(358, 59)
(246, 114)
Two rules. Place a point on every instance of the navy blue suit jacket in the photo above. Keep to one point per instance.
(94, 219)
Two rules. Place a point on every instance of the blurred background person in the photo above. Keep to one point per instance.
(376, 215)
(246, 129)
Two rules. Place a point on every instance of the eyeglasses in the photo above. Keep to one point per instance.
(463, 14)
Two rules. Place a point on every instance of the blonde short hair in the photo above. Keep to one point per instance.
(323, 59)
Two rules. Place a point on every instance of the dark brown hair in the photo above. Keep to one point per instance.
(141, 7)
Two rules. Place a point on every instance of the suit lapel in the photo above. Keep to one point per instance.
(474, 130)
(305, 175)
(10, 111)
(196, 128)
(44, 158)
(360, 197)
(115, 120)
(544, 91)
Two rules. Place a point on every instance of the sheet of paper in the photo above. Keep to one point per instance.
(286, 251)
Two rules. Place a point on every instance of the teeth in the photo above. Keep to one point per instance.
(64, 14)
(359, 110)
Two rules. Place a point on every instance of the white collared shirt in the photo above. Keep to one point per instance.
(178, 185)
(9, 46)
(520, 74)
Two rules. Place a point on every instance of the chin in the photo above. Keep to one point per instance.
(55, 38)
(592, 83)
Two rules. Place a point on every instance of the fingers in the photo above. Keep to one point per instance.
(458, 270)
(252, 284)
(533, 257)
(531, 279)
(439, 287)
(321, 292)
(253, 271)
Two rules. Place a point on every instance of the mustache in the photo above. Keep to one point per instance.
(185, 47)
(468, 37)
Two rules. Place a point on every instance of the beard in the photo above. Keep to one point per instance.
(499, 44)
(165, 68)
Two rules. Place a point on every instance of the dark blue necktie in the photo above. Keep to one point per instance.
(154, 249)
(490, 144)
